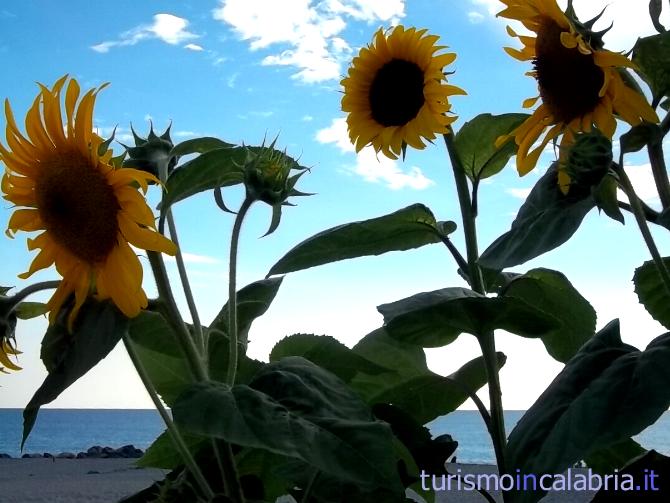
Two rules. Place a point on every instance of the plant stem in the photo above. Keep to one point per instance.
(170, 311)
(310, 485)
(171, 427)
(188, 293)
(462, 263)
(486, 340)
(15, 300)
(197, 361)
(640, 217)
(232, 291)
(660, 172)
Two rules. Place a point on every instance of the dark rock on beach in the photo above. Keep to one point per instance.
(4, 455)
(95, 452)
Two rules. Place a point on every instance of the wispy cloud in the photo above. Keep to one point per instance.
(308, 31)
(194, 47)
(518, 193)
(370, 166)
(168, 28)
(193, 258)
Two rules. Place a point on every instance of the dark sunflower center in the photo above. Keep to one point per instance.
(396, 93)
(78, 206)
(569, 81)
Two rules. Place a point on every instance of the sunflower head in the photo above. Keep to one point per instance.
(60, 178)
(580, 84)
(395, 93)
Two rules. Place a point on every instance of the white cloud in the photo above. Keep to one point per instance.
(307, 118)
(491, 7)
(336, 133)
(518, 193)
(370, 166)
(232, 80)
(184, 134)
(193, 258)
(306, 30)
(475, 17)
(194, 47)
(165, 27)
(380, 169)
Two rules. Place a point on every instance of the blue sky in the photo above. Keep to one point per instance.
(241, 70)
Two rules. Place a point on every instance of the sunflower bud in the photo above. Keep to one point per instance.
(267, 175)
(588, 159)
(151, 154)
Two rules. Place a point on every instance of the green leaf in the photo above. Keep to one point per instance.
(219, 352)
(428, 453)
(158, 349)
(198, 145)
(606, 199)
(411, 382)
(295, 409)
(652, 292)
(252, 302)
(404, 229)
(652, 57)
(607, 393)
(640, 136)
(434, 319)
(215, 168)
(404, 360)
(326, 352)
(551, 292)
(429, 396)
(163, 454)
(98, 328)
(613, 457)
(646, 479)
(475, 144)
(29, 310)
(545, 221)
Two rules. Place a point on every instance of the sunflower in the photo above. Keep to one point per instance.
(395, 92)
(580, 85)
(7, 349)
(89, 212)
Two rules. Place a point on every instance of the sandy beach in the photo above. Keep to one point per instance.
(108, 480)
(72, 480)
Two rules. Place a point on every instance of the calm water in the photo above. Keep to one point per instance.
(74, 430)
(474, 445)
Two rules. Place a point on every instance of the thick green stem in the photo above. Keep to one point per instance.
(15, 300)
(171, 313)
(197, 361)
(660, 172)
(172, 429)
(640, 217)
(232, 291)
(188, 293)
(486, 340)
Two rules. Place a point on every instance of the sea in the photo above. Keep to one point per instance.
(75, 430)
